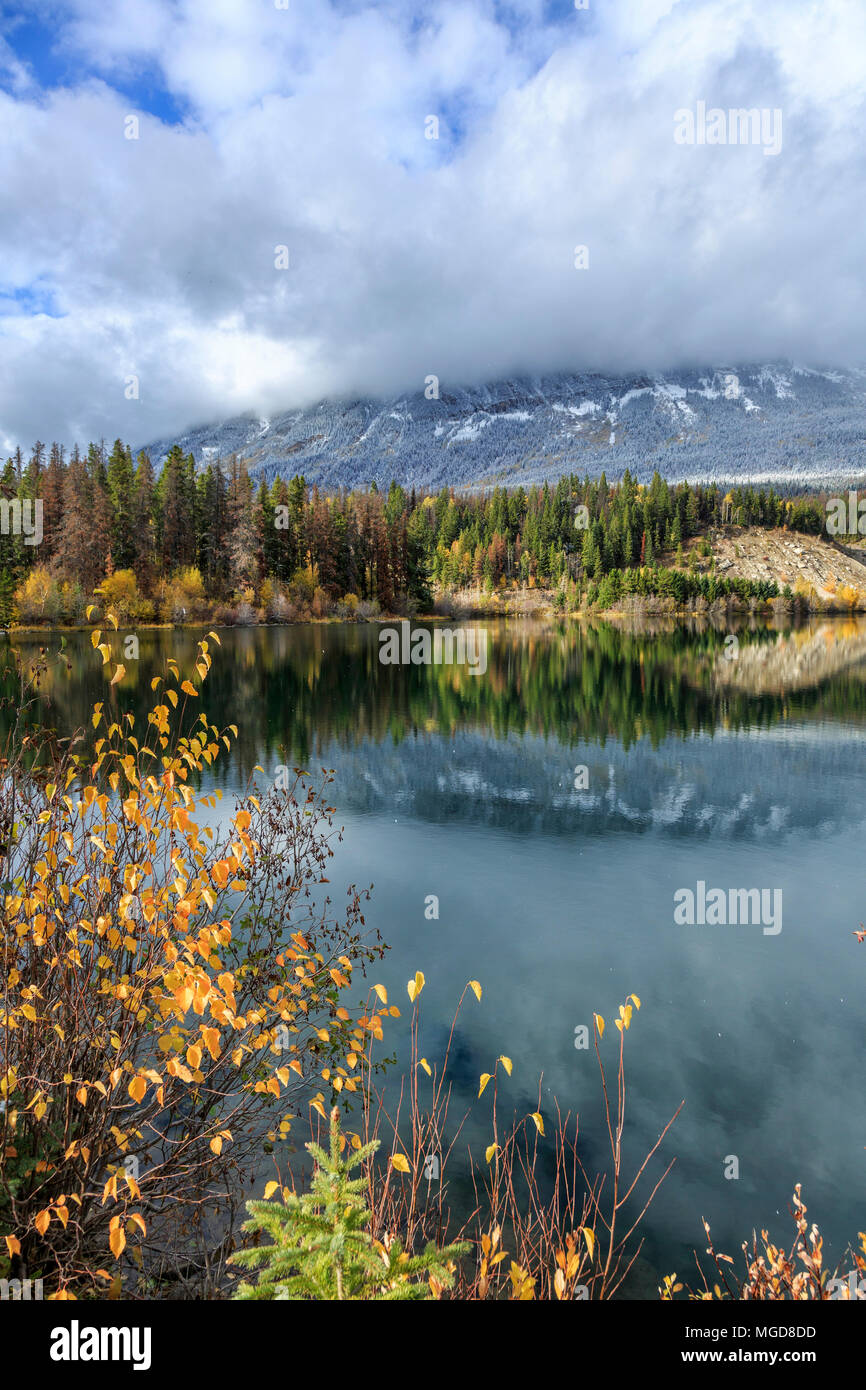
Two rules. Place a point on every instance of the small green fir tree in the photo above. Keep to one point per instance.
(321, 1249)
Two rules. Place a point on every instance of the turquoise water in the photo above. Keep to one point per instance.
(559, 897)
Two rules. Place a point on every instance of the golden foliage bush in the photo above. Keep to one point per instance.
(168, 986)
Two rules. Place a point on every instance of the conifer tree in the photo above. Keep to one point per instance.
(120, 484)
(176, 513)
(321, 1249)
(144, 528)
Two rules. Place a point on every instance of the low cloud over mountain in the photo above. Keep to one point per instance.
(784, 422)
(157, 155)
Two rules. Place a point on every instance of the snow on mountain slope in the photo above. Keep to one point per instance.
(781, 422)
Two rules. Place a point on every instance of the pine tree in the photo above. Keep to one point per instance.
(321, 1249)
(52, 497)
(121, 493)
(144, 528)
(176, 496)
(418, 543)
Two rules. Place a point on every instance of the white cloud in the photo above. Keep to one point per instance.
(411, 256)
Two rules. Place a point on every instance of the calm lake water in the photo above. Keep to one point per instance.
(559, 896)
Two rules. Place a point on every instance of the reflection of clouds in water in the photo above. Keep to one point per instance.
(560, 913)
(737, 785)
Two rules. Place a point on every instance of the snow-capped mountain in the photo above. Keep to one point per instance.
(778, 422)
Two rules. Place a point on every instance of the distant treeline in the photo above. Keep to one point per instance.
(180, 543)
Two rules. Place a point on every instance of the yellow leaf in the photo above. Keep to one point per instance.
(400, 1162)
(188, 688)
(13, 1245)
(485, 1077)
(172, 695)
(600, 1025)
(216, 1144)
(506, 1062)
(426, 1065)
(382, 993)
(119, 674)
(636, 1000)
(270, 1189)
(476, 989)
(137, 1088)
(117, 1241)
(589, 1237)
(539, 1123)
(95, 637)
(42, 1221)
(415, 986)
(490, 1151)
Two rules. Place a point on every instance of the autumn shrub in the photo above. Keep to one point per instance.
(169, 989)
(119, 593)
(181, 598)
(245, 615)
(808, 594)
(39, 599)
(274, 606)
(302, 587)
(532, 1235)
(347, 607)
(774, 1273)
(321, 602)
(850, 597)
(267, 591)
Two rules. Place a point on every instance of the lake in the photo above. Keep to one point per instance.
(555, 805)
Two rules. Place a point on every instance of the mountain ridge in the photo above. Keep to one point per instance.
(778, 422)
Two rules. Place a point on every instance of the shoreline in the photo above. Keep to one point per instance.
(769, 613)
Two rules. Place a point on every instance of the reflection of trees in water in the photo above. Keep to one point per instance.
(292, 690)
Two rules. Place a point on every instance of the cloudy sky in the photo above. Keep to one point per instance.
(307, 127)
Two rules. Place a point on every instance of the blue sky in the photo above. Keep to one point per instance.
(36, 36)
(257, 127)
